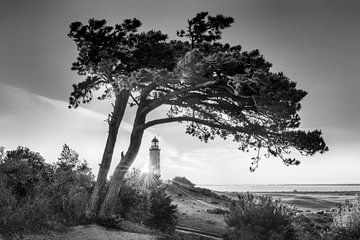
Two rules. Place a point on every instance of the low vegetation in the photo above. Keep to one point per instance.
(36, 197)
(259, 218)
(217, 211)
(143, 199)
(252, 217)
(346, 223)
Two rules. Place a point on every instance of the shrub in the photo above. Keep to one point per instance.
(22, 170)
(22, 209)
(259, 218)
(143, 199)
(307, 227)
(348, 216)
(346, 222)
(26, 216)
(71, 187)
(217, 211)
(162, 212)
(36, 196)
(134, 200)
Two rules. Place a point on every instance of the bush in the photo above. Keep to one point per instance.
(22, 170)
(162, 212)
(26, 216)
(217, 211)
(259, 218)
(134, 200)
(346, 222)
(143, 199)
(71, 187)
(36, 196)
(308, 227)
(348, 216)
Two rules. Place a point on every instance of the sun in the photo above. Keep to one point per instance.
(145, 168)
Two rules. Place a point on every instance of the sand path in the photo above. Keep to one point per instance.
(92, 232)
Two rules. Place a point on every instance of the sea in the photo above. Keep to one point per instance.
(283, 187)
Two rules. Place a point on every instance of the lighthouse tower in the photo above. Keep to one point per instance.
(154, 164)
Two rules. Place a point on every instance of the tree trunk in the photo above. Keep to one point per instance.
(121, 169)
(114, 124)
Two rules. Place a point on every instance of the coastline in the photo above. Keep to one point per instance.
(313, 188)
(309, 201)
(194, 205)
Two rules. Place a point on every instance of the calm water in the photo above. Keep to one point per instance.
(284, 187)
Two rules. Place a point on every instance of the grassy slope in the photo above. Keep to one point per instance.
(193, 204)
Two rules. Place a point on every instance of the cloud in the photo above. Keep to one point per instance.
(45, 124)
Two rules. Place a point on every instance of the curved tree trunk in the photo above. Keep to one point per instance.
(124, 165)
(114, 124)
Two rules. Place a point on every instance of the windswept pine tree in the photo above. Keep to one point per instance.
(216, 89)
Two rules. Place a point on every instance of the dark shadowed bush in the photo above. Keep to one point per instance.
(259, 218)
(162, 212)
(346, 222)
(143, 199)
(22, 170)
(22, 208)
(36, 196)
(307, 228)
(134, 201)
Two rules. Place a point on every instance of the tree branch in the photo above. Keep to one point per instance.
(192, 119)
(160, 101)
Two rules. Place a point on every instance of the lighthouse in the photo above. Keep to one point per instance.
(154, 164)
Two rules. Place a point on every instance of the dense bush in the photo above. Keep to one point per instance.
(134, 200)
(259, 218)
(36, 196)
(162, 212)
(22, 210)
(71, 186)
(22, 170)
(348, 216)
(312, 227)
(346, 222)
(143, 199)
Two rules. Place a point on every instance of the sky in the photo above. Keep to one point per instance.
(314, 42)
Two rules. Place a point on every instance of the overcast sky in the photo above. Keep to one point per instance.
(314, 42)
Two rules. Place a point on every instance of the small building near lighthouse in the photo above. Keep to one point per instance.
(154, 156)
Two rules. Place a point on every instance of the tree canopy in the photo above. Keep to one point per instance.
(218, 90)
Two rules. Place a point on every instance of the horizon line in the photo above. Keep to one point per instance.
(283, 184)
